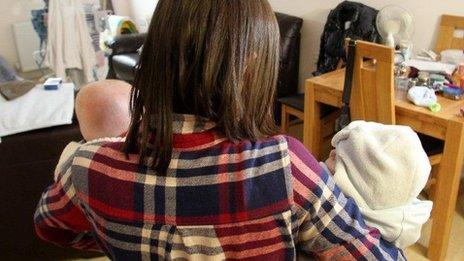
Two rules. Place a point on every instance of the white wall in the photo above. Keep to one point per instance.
(122, 7)
(13, 11)
(143, 8)
(314, 12)
(139, 10)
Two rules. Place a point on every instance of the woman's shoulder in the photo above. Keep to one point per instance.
(79, 156)
(291, 145)
(301, 159)
(110, 147)
(99, 144)
(295, 147)
(102, 157)
(103, 150)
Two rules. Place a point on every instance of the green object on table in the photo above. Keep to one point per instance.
(436, 107)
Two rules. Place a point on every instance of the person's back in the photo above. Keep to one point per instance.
(182, 187)
(219, 200)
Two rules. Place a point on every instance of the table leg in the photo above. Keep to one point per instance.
(285, 120)
(312, 122)
(446, 191)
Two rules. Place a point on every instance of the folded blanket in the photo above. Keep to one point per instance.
(37, 109)
(15, 89)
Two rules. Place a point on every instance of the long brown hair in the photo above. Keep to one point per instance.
(212, 58)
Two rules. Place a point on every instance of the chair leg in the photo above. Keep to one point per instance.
(430, 189)
(285, 120)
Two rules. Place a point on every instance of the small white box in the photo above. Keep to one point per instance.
(52, 83)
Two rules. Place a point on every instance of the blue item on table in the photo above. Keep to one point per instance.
(453, 93)
(52, 84)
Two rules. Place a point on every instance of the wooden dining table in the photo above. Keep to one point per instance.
(446, 125)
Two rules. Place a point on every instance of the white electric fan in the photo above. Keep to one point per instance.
(395, 24)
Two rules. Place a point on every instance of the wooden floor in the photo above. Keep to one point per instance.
(416, 252)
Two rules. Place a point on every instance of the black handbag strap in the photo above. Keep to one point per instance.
(349, 73)
(345, 117)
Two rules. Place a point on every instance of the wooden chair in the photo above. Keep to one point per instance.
(373, 91)
(291, 106)
(294, 106)
(373, 96)
(369, 87)
(446, 39)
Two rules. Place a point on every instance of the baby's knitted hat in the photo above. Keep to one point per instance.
(380, 166)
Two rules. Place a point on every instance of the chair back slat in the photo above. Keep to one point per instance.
(373, 96)
(446, 36)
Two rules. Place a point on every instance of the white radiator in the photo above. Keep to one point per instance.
(27, 42)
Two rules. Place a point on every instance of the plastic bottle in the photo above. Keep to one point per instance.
(458, 76)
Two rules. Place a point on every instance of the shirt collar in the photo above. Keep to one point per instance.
(189, 124)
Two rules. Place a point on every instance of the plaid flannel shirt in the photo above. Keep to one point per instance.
(252, 200)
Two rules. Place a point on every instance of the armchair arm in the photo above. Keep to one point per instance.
(128, 43)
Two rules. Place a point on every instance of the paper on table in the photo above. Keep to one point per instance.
(431, 66)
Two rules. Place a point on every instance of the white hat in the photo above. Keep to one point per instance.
(380, 166)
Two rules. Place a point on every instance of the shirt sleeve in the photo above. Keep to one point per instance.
(58, 218)
(331, 226)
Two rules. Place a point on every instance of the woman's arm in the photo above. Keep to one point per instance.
(58, 218)
(331, 226)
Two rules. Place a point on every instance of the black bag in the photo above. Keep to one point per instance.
(345, 117)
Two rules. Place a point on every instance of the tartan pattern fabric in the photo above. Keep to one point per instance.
(249, 200)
